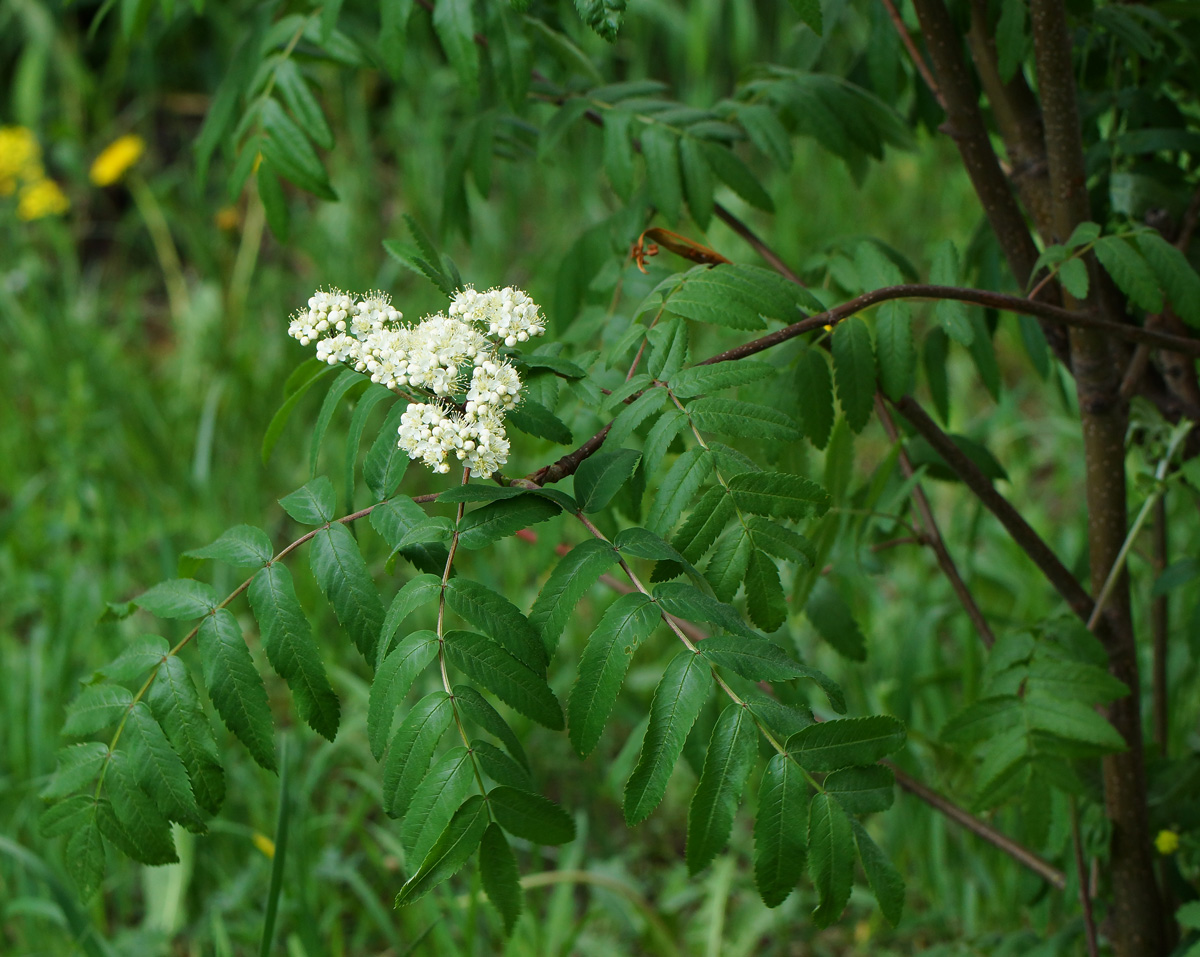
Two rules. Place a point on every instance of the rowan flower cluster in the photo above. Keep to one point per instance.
(460, 385)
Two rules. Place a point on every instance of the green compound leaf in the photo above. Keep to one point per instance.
(501, 879)
(731, 755)
(514, 683)
(130, 819)
(289, 151)
(358, 423)
(863, 790)
(764, 593)
(499, 766)
(618, 152)
(571, 579)
(241, 545)
(894, 349)
(624, 625)
(393, 681)
(140, 657)
(97, 708)
(473, 705)
(159, 770)
(810, 12)
(77, 767)
(176, 706)
(533, 418)
(412, 749)
(417, 591)
(778, 495)
(178, 598)
(1130, 272)
(395, 519)
(843, 742)
(677, 701)
(760, 660)
(499, 619)
(346, 381)
(669, 348)
(340, 570)
(698, 181)
(830, 857)
(729, 561)
(291, 648)
(300, 100)
(766, 132)
(738, 176)
(436, 799)
(814, 394)
(781, 542)
(699, 380)
(483, 526)
(886, 882)
(386, 462)
(854, 370)
(453, 848)
(736, 296)
(312, 504)
(603, 16)
(454, 25)
(235, 686)
(308, 374)
(678, 488)
(85, 857)
(531, 816)
(780, 830)
(742, 419)
(686, 601)
(1174, 273)
(601, 476)
(831, 616)
(633, 415)
(951, 314)
(704, 524)
(663, 179)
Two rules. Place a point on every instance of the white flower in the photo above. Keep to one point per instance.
(436, 356)
(494, 384)
(508, 313)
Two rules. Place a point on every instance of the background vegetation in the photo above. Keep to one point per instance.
(144, 355)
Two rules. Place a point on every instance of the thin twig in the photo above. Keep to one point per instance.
(1022, 533)
(934, 535)
(913, 53)
(1018, 852)
(1085, 899)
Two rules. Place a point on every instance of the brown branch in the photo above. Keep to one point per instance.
(1018, 852)
(1018, 119)
(570, 462)
(1137, 915)
(1022, 533)
(934, 535)
(995, 300)
(755, 242)
(964, 124)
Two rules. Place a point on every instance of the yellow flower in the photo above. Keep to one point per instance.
(41, 198)
(227, 218)
(1167, 842)
(20, 158)
(264, 843)
(116, 159)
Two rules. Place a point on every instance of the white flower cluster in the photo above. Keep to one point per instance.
(465, 416)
